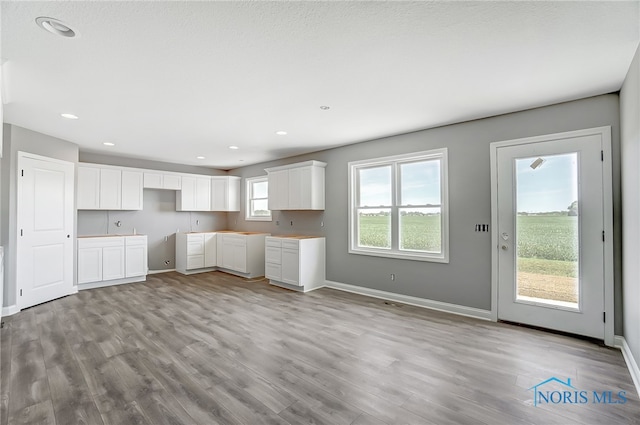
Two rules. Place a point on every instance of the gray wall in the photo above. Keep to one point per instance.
(630, 146)
(159, 219)
(19, 139)
(466, 280)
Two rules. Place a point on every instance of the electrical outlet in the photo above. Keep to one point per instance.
(292, 222)
(393, 276)
(277, 222)
(322, 224)
(167, 262)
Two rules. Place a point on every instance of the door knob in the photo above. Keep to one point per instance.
(504, 247)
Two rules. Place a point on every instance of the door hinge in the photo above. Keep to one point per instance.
(603, 236)
(601, 155)
(604, 316)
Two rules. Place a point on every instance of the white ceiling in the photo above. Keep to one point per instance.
(170, 81)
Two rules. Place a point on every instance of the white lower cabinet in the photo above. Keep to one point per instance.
(240, 253)
(136, 258)
(195, 252)
(295, 262)
(111, 259)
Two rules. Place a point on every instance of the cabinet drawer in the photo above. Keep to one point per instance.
(195, 262)
(195, 248)
(273, 255)
(275, 242)
(290, 244)
(135, 240)
(237, 240)
(273, 271)
(100, 242)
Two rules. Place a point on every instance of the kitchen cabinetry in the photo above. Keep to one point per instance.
(195, 194)
(196, 252)
(295, 262)
(136, 258)
(159, 180)
(106, 260)
(132, 190)
(225, 193)
(298, 186)
(243, 253)
(108, 188)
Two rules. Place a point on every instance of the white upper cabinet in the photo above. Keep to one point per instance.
(195, 194)
(225, 193)
(88, 192)
(102, 187)
(297, 186)
(132, 190)
(160, 180)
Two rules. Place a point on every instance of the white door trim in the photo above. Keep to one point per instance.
(607, 180)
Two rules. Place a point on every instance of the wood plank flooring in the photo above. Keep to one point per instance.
(216, 349)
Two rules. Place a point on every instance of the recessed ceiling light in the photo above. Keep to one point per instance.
(69, 116)
(109, 144)
(233, 147)
(55, 26)
(199, 157)
(281, 133)
(324, 107)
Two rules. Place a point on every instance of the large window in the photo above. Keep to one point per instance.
(257, 205)
(398, 206)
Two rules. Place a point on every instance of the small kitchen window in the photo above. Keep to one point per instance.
(257, 206)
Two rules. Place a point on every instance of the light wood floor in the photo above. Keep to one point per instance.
(215, 349)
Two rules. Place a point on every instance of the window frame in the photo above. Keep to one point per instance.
(249, 182)
(396, 189)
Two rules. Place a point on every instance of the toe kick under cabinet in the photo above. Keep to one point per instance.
(295, 262)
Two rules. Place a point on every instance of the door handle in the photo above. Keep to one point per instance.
(68, 236)
(504, 247)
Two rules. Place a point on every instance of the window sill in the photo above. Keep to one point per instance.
(401, 255)
(258, 219)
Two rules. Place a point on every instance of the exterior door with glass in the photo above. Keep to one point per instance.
(550, 233)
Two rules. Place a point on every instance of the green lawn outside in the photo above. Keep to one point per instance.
(547, 244)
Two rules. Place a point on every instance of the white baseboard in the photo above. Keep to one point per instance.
(160, 271)
(418, 302)
(10, 310)
(621, 343)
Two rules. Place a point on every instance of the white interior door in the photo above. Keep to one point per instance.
(45, 229)
(551, 221)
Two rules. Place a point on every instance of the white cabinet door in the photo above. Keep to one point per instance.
(210, 250)
(136, 261)
(186, 197)
(132, 190)
(225, 193)
(203, 194)
(110, 189)
(295, 189)
(194, 195)
(171, 182)
(89, 265)
(240, 258)
(290, 266)
(152, 180)
(228, 253)
(113, 262)
(278, 190)
(88, 188)
(219, 194)
(233, 195)
(219, 250)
